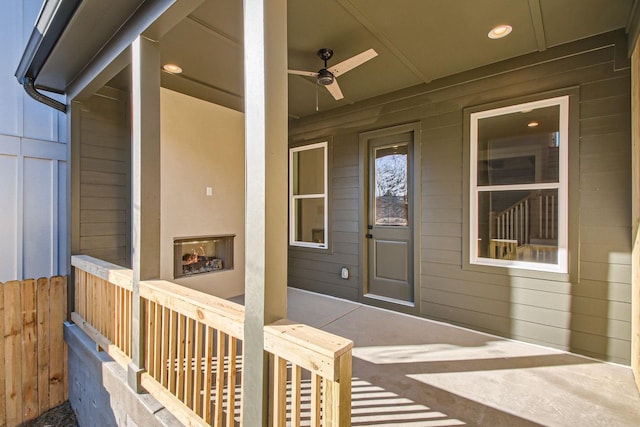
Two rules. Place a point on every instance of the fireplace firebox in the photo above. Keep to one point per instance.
(204, 254)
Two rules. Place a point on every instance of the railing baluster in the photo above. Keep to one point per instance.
(164, 349)
(231, 381)
(517, 224)
(511, 224)
(553, 217)
(108, 301)
(157, 358)
(526, 221)
(173, 325)
(150, 336)
(180, 359)
(119, 321)
(522, 224)
(316, 380)
(126, 328)
(189, 364)
(540, 217)
(198, 369)
(208, 361)
(92, 301)
(296, 394)
(220, 354)
(125, 321)
(279, 393)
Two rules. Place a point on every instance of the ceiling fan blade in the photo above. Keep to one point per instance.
(303, 73)
(334, 90)
(353, 62)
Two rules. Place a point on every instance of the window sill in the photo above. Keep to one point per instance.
(551, 273)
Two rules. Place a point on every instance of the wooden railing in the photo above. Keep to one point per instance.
(193, 351)
(535, 217)
(513, 223)
(33, 354)
(310, 365)
(103, 305)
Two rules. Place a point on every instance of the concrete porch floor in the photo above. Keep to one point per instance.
(409, 371)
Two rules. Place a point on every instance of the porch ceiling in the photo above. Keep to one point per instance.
(417, 41)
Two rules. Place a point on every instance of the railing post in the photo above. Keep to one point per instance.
(338, 395)
(145, 187)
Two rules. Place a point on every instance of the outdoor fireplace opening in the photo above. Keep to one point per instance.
(199, 255)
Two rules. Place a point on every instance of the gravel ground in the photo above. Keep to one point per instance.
(60, 416)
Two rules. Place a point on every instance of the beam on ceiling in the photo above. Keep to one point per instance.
(538, 24)
(202, 90)
(360, 16)
(109, 72)
(221, 35)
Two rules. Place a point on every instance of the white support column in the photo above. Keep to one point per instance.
(635, 210)
(266, 133)
(145, 186)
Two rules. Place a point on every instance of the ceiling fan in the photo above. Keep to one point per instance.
(327, 75)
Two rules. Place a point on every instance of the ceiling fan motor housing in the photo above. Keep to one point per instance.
(325, 77)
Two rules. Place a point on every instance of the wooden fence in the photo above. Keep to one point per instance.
(193, 351)
(33, 354)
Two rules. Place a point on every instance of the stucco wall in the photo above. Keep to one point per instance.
(202, 145)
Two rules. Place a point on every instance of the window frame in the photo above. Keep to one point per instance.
(294, 198)
(562, 186)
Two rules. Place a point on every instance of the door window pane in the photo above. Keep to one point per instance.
(391, 186)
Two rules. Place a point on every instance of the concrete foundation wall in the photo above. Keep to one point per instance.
(98, 391)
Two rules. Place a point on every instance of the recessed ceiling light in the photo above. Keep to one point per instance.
(172, 68)
(500, 31)
(533, 124)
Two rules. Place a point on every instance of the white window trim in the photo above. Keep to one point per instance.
(293, 198)
(562, 186)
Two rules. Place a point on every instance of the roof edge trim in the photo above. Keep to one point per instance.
(52, 20)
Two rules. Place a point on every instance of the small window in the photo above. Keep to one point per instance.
(308, 208)
(519, 173)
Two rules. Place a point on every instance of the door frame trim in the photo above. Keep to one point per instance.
(363, 178)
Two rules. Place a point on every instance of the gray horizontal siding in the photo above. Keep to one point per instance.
(591, 312)
(104, 179)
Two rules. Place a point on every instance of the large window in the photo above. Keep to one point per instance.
(308, 208)
(518, 174)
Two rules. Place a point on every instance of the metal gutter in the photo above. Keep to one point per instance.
(52, 21)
